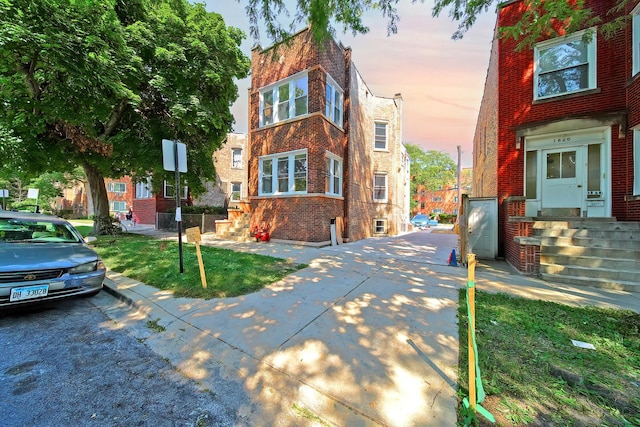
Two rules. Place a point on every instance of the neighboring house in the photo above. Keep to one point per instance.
(76, 201)
(558, 133)
(231, 162)
(444, 200)
(322, 146)
(120, 193)
(146, 203)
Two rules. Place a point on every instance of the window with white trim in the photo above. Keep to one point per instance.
(169, 191)
(333, 102)
(144, 190)
(380, 187)
(379, 226)
(380, 137)
(334, 175)
(283, 173)
(564, 65)
(116, 187)
(436, 198)
(636, 162)
(635, 50)
(236, 158)
(284, 100)
(236, 191)
(116, 206)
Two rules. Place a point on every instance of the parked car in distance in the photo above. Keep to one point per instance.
(422, 221)
(43, 258)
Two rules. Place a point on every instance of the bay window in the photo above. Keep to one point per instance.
(283, 173)
(284, 100)
(334, 175)
(333, 102)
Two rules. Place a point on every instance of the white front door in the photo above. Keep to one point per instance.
(563, 173)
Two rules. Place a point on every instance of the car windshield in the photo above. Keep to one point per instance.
(17, 230)
(420, 217)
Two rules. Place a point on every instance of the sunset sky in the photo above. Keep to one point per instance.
(441, 80)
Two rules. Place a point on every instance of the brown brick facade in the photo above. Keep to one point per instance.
(307, 217)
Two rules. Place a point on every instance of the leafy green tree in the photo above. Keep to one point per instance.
(543, 18)
(430, 169)
(101, 83)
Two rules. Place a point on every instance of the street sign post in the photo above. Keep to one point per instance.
(174, 158)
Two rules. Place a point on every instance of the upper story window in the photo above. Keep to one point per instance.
(143, 190)
(283, 173)
(117, 187)
(436, 199)
(334, 175)
(236, 158)
(636, 40)
(564, 65)
(334, 103)
(380, 187)
(380, 137)
(284, 100)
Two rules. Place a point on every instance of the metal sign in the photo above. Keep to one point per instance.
(168, 155)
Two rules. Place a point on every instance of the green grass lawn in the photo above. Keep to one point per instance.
(157, 263)
(534, 375)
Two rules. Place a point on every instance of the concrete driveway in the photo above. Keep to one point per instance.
(366, 335)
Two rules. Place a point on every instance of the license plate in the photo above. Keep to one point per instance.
(28, 292)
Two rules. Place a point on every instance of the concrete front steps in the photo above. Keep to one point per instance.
(599, 252)
(239, 230)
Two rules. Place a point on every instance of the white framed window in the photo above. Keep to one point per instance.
(380, 136)
(236, 191)
(236, 158)
(635, 51)
(437, 211)
(333, 102)
(379, 226)
(564, 65)
(636, 162)
(436, 199)
(283, 173)
(285, 99)
(333, 174)
(144, 190)
(380, 187)
(116, 206)
(169, 192)
(116, 187)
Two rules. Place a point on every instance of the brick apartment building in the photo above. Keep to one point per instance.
(231, 161)
(322, 146)
(558, 133)
(444, 200)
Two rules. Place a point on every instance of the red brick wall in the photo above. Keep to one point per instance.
(301, 217)
(517, 110)
(145, 210)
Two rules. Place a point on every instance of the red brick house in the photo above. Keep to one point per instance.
(558, 133)
(322, 146)
(444, 200)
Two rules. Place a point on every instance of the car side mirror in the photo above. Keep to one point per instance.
(90, 239)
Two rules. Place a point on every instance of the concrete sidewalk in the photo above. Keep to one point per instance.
(366, 335)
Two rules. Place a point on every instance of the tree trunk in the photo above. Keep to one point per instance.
(101, 218)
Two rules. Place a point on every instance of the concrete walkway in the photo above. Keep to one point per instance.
(366, 335)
